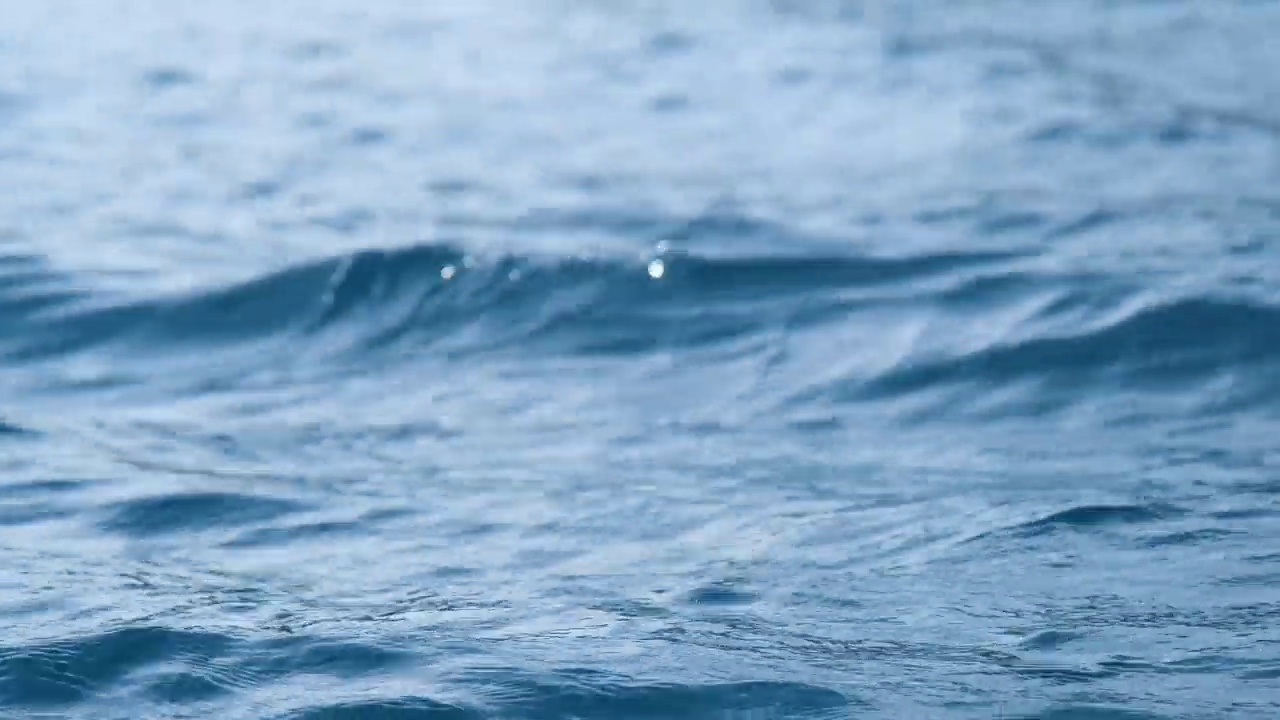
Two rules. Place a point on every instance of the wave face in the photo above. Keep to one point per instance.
(572, 360)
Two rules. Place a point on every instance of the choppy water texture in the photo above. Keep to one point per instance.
(565, 359)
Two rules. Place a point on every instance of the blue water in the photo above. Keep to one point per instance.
(565, 359)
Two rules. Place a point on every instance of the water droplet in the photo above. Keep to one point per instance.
(656, 269)
(663, 246)
(514, 275)
(448, 271)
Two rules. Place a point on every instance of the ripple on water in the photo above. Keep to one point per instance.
(589, 360)
(173, 513)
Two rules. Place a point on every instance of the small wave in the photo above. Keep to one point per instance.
(610, 700)
(166, 667)
(1049, 639)
(174, 667)
(403, 708)
(439, 295)
(71, 671)
(599, 697)
(1087, 517)
(1083, 516)
(1157, 346)
(439, 300)
(1091, 712)
(143, 517)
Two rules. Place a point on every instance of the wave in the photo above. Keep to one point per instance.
(1083, 518)
(1156, 347)
(440, 295)
(168, 667)
(438, 300)
(158, 667)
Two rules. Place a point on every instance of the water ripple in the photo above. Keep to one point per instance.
(639, 360)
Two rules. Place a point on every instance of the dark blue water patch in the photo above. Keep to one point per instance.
(1189, 537)
(368, 136)
(176, 666)
(1271, 672)
(71, 671)
(177, 513)
(585, 696)
(1129, 664)
(985, 291)
(743, 277)
(1156, 347)
(1091, 712)
(403, 708)
(1061, 674)
(163, 78)
(1049, 639)
(261, 307)
(10, 430)
(1084, 517)
(721, 593)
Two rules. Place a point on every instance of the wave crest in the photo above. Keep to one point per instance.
(438, 294)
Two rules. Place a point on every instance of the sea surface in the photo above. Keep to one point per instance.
(640, 359)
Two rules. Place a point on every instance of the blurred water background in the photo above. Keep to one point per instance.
(640, 359)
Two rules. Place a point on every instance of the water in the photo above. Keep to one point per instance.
(639, 360)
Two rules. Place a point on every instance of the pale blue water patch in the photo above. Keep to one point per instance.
(639, 360)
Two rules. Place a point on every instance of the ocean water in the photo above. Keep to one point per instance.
(640, 359)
